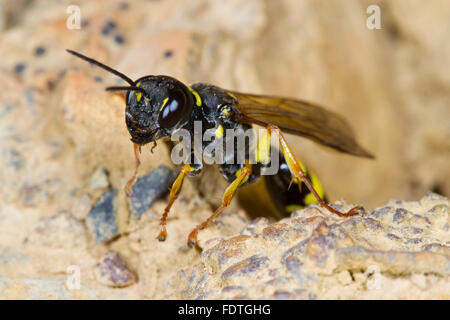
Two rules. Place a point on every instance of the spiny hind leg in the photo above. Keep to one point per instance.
(299, 173)
(242, 176)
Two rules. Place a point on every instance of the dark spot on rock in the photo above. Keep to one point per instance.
(19, 68)
(391, 27)
(277, 281)
(149, 188)
(168, 53)
(108, 27)
(414, 185)
(273, 272)
(382, 212)
(113, 271)
(105, 31)
(433, 196)
(111, 25)
(231, 288)
(14, 159)
(433, 247)
(39, 51)
(399, 215)
(439, 208)
(29, 98)
(413, 241)
(372, 224)
(5, 109)
(392, 236)
(29, 194)
(245, 267)
(124, 6)
(281, 295)
(61, 74)
(293, 264)
(203, 296)
(297, 250)
(101, 221)
(50, 85)
(119, 39)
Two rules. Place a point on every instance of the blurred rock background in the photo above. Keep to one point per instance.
(64, 143)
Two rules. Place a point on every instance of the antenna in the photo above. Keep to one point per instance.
(105, 67)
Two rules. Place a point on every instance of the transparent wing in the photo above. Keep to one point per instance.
(300, 118)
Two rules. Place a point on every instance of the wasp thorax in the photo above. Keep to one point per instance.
(165, 106)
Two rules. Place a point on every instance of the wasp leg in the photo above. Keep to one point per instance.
(137, 151)
(298, 173)
(226, 200)
(174, 192)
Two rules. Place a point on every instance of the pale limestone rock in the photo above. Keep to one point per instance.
(57, 125)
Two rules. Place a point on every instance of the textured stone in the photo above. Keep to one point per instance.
(58, 126)
(82, 207)
(99, 179)
(359, 257)
(149, 188)
(101, 221)
(113, 271)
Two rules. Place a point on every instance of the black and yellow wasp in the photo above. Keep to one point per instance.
(158, 106)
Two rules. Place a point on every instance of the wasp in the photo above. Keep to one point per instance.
(158, 106)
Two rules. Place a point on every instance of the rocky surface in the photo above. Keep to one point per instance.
(149, 188)
(112, 271)
(68, 231)
(400, 250)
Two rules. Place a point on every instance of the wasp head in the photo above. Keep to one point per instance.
(162, 106)
(156, 106)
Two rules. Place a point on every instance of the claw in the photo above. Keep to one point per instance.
(162, 235)
(192, 239)
(128, 190)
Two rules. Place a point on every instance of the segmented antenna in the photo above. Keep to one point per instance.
(105, 67)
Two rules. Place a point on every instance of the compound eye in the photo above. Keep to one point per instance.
(172, 111)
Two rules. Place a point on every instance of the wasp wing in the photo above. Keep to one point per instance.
(300, 118)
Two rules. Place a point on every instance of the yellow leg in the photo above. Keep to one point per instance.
(174, 192)
(226, 200)
(137, 151)
(299, 173)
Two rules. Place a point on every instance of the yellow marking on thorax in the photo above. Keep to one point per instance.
(198, 100)
(219, 132)
(138, 94)
(262, 151)
(232, 95)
